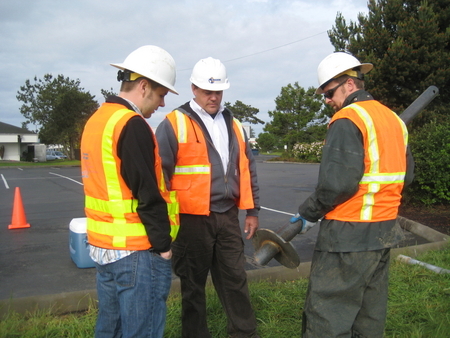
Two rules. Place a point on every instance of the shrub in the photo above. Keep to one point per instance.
(308, 152)
(430, 146)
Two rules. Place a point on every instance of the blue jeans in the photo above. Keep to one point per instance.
(132, 294)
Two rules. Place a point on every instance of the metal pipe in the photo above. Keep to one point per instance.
(419, 104)
(269, 244)
(409, 260)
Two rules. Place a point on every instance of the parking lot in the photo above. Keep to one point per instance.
(36, 260)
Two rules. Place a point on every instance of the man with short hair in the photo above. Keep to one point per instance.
(131, 217)
(364, 169)
(209, 163)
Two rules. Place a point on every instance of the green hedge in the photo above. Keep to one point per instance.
(430, 146)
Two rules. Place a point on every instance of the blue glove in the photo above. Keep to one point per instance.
(297, 217)
(306, 225)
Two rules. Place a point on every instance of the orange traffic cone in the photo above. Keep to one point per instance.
(19, 220)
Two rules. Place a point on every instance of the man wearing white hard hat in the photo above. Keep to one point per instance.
(365, 166)
(131, 216)
(209, 163)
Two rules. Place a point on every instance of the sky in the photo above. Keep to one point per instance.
(264, 44)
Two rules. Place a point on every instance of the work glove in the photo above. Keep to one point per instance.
(306, 225)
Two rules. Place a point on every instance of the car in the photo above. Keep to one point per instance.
(50, 156)
(55, 155)
(60, 155)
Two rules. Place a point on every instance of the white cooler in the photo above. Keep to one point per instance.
(78, 245)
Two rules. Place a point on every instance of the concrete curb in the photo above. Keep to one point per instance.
(81, 300)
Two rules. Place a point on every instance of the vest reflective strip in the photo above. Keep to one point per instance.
(117, 210)
(191, 170)
(128, 206)
(241, 129)
(404, 129)
(383, 178)
(182, 138)
(109, 167)
(372, 138)
(173, 209)
(132, 229)
(181, 127)
(374, 178)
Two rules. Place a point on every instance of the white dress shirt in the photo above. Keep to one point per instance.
(217, 129)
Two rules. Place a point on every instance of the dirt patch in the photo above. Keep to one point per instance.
(436, 217)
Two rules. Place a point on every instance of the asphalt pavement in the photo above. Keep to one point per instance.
(36, 262)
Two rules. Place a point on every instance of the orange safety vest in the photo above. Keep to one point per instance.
(385, 140)
(192, 175)
(112, 219)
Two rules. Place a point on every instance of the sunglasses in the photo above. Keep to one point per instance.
(330, 93)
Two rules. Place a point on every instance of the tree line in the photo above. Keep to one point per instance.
(408, 43)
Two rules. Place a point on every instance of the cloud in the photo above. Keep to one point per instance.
(265, 44)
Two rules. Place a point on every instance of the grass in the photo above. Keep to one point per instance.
(418, 307)
(39, 164)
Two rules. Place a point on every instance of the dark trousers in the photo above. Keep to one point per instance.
(347, 294)
(212, 244)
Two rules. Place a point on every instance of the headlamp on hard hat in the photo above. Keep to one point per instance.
(126, 75)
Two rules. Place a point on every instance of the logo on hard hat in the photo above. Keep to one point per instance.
(212, 80)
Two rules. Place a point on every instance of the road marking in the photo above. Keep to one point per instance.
(71, 179)
(4, 181)
(281, 212)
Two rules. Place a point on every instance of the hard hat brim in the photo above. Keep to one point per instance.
(153, 78)
(216, 87)
(364, 69)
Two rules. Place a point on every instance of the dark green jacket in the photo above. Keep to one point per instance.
(340, 172)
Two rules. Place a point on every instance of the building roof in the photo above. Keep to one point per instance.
(10, 129)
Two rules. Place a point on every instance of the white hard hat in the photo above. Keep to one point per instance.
(210, 74)
(153, 63)
(337, 64)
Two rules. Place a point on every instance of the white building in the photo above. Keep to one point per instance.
(14, 141)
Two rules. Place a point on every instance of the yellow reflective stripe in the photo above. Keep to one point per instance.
(174, 206)
(162, 181)
(162, 184)
(110, 207)
(369, 201)
(115, 205)
(109, 164)
(191, 169)
(374, 182)
(374, 156)
(383, 178)
(404, 129)
(174, 230)
(173, 209)
(181, 127)
(119, 241)
(372, 138)
(241, 129)
(132, 229)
